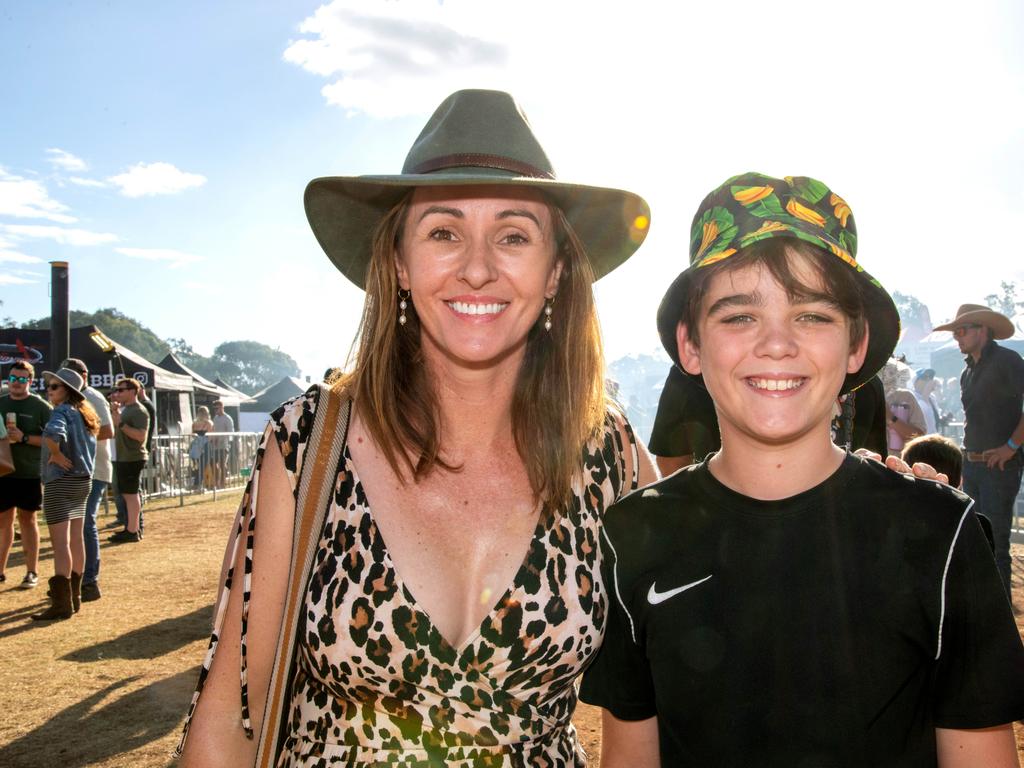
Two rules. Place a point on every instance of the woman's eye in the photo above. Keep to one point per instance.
(515, 238)
(440, 233)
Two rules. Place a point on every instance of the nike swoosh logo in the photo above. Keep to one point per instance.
(654, 596)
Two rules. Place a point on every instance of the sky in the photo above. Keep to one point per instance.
(162, 149)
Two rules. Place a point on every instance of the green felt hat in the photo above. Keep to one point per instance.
(752, 207)
(474, 137)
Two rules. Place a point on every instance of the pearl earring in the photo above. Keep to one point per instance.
(548, 309)
(402, 305)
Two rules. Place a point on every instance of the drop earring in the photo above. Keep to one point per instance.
(548, 309)
(402, 304)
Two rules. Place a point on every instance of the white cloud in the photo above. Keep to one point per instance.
(28, 199)
(175, 258)
(60, 235)
(65, 160)
(15, 257)
(9, 279)
(395, 59)
(82, 182)
(145, 179)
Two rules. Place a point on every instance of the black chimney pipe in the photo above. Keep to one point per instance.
(60, 331)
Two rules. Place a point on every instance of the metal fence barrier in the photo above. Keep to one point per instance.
(185, 465)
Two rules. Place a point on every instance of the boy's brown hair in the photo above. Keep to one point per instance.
(941, 452)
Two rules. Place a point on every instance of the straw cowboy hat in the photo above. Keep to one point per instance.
(1000, 325)
(474, 137)
(752, 207)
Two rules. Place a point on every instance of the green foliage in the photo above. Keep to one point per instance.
(250, 366)
(1006, 303)
(911, 309)
(119, 327)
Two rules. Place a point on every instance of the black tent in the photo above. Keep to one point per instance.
(107, 362)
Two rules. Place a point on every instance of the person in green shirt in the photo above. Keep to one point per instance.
(25, 415)
(131, 426)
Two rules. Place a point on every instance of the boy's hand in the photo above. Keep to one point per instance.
(896, 464)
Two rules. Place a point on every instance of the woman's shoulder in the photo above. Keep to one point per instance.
(292, 422)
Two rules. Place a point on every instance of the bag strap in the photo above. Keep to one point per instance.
(316, 485)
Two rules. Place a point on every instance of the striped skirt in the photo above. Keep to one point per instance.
(64, 498)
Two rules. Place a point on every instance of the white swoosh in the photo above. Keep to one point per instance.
(654, 596)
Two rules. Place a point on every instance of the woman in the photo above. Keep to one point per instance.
(199, 451)
(69, 450)
(481, 449)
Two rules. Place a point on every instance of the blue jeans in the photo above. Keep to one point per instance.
(91, 535)
(994, 491)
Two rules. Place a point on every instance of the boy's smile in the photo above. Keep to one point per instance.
(774, 364)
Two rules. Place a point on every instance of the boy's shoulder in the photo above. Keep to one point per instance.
(654, 509)
(874, 482)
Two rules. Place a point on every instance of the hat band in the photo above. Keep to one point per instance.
(496, 162)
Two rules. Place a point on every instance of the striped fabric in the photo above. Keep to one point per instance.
(64, 498)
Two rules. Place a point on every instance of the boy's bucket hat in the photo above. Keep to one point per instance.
(474, 137)
(752, 207)
(1000, 325)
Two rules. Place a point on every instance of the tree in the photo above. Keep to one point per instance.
(1007, 303)
(119, 327)
(8, 321)
(251, 366)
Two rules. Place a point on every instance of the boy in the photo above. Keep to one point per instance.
(785, 603)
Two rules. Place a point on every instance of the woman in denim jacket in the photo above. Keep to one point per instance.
(69, 450)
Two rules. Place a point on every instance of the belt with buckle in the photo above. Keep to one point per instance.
(972, 456)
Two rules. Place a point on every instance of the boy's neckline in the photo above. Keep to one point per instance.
(765, 476)
(802, 499)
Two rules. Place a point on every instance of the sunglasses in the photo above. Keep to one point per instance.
(122, 389)
(961, 330)
(54, 386)
(19, 379)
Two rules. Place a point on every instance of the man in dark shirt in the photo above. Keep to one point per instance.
(992, 391)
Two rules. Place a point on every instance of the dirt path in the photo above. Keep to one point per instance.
(110, 687)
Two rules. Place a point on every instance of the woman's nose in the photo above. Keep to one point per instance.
(478, 266)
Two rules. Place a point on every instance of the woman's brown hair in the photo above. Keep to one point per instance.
(79, 403)
(559, 403)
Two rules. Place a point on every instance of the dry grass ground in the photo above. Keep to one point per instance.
(110, 687)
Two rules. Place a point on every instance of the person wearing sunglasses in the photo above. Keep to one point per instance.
(25, 415)
(131, 427)
(66, 462)
(992, 391)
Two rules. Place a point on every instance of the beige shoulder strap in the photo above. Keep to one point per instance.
(316, 484)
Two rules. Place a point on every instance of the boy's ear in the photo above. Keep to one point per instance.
(689, 353)
(858, 353)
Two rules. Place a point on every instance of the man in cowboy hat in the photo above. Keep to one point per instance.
(992, 391)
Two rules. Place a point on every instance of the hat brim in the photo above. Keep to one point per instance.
(1000, 325)
(344, 211)
(883, 322)
(47, 375)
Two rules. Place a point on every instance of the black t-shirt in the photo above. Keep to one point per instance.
(686, 423)
(839, 627)
(992, 391)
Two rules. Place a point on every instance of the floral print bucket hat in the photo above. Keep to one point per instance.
(752, 207)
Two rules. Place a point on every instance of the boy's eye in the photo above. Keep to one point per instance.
(737, 319)
(816, 317)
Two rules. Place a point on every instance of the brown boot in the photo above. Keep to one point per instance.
(76, 591)
(60, 597)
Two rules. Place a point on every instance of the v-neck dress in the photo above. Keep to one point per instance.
(378, 685)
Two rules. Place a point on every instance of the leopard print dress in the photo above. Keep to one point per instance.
(377, 685)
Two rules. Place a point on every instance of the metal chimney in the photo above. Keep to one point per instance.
(59, 321)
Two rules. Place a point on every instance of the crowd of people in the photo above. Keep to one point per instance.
(68, 449)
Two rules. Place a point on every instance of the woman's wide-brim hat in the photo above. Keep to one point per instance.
(752, 207)
(475, 137)
(976, 314)
(72, 380)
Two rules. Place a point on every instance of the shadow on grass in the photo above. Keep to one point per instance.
(82, 735)
(152, 641)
